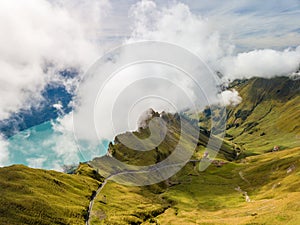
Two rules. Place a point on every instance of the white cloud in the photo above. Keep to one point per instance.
(39, 38)
(178, 25)
(239, 19)
(126, 94)
(36, 162)
(88, 13)
(65, 146)
(274, 42)
(64, 33)
(4, 153)
(230, 98)
(261, 63)
(236, 20)
(39, 34)
(59, 107)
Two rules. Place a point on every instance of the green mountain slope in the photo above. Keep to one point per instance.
(120, 151)
(190, 145)
(268, 116)
(215, 196)
(257, 186)
(34, 196)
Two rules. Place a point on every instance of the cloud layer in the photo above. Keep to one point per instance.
(177, 24)
(230, 97)
(41, 38)
(38, 39)
(261, 63)
(4, 153)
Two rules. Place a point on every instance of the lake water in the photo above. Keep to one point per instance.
(43, 147)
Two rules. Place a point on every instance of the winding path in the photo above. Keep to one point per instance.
(101, 186)
(119, 173)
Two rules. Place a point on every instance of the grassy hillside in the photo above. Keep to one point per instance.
(34, 196)
(260, 189)
(165, 148)
(211, 197)
(268, 116)
(190, 145)
(257, 187)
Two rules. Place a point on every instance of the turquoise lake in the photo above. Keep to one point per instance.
(42, 146)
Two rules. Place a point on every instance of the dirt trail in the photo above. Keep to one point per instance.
(119, 173)
(93, 200)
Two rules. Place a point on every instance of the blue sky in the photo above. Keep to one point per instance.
(250, 24)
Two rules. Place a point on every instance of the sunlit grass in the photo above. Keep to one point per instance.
(210, 197)
(33, 196)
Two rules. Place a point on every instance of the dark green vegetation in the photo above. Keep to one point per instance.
(253, 185)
